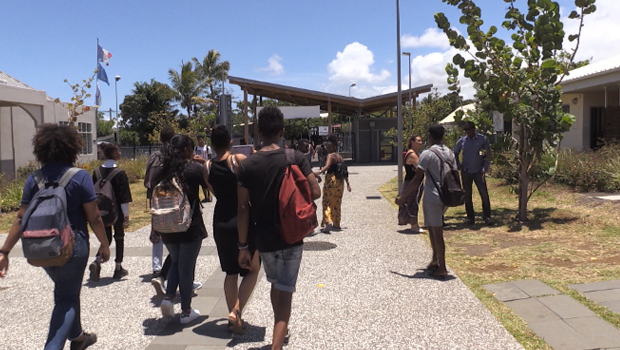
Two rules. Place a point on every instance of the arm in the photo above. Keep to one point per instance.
(346, 179)
(413, 185)
(205, 178)
(11, 240)
(147, 173)
(96, 224)
(487, 157)
(243, 222)
(328, 163)
(457, 151)
(315, 189)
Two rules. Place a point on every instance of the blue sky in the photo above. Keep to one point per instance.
(322, 45)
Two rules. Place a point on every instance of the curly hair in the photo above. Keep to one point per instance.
(220, 137)
(270, 121)
(56, 143)
(174, 161)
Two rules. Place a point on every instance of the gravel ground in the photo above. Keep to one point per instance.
(367, 292)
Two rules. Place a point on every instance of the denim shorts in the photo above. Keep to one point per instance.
(282, 267)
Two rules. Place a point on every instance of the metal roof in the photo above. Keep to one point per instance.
(594, 69)
(6, 79)
(339, 104)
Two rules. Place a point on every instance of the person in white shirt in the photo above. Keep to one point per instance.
(202, 153)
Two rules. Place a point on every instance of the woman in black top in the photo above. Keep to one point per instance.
(122, 195)
(183, 246)
(408, 212)
(222, 172)
(333, 188)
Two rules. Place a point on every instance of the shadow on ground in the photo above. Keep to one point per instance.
(537, 218)
(423, 274)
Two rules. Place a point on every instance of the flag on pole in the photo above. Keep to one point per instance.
(98, 96)
(103, 55)
(101, 74)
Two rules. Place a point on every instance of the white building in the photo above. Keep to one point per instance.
(22, 109)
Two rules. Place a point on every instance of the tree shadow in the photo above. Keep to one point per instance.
(408, 231)
(537, 218)
(423, 274)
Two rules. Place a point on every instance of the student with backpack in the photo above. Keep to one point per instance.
(177, 216)
(260, 177)
(336, 175)
(57, 147)
(113, 198)
(431, 162)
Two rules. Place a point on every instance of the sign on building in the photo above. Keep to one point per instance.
(323, 130)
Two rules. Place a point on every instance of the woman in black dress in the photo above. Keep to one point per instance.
(408, 212)
(223, 180)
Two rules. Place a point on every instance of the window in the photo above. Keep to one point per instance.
(566, 108)
(86, 131)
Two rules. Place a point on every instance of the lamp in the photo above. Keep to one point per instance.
(575, 100)
(116, 79)
(350, 86)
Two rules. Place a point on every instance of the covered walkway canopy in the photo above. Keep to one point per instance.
(327, 102)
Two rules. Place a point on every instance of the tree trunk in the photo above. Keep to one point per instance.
(524, 177)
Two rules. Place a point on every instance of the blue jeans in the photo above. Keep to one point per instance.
(282, 267)
(468, 180)
(157, 254)
(181, 272)
(65, 323)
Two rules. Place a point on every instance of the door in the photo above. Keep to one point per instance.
(597, 126)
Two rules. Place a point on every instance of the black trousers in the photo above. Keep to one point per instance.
(119, 238)
(468, 180)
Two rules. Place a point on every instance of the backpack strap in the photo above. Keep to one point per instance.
(290, 156)
(233, 164)
(39, 179)
(442, 161)
(67, 176)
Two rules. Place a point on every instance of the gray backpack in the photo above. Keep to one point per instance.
(47, 237)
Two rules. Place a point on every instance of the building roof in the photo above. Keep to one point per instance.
(6, 79)
(339, 104)
(450, 118)
(594, 69)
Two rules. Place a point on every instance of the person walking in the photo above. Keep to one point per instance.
(120, 185)
(430, 163)
(222, 177)
(259, 179)
(333, 187)
(205, 152)
(474, 165)
(305, 147)
(183, 246)
(57, 147)
(408, 211)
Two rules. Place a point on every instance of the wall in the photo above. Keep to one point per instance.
(574, 138)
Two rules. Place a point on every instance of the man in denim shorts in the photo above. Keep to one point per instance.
(259, 184)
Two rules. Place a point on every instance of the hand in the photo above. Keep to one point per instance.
(399, 201)
(482, 173)
(4, 265)
(104, 252)
(126, 222)
(199, 159)
(154, 237)
(348, 188)
(244, 258)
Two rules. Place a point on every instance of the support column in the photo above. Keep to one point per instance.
(357, 135)
(246, 132)
(329, 117)
(254, 121)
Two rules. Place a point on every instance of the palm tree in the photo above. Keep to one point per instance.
(189, 87)
(212, 70)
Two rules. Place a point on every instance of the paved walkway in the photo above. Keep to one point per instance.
(362, 288)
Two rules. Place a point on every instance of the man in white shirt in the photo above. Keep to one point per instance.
(205, 152)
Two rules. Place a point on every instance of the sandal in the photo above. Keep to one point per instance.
(235, 323)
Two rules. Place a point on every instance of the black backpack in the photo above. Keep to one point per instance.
(451, 191)
(106, 198)
(342, 171)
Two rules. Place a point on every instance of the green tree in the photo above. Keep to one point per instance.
(188, 87)
(521, 79)
(213, 71)
(147, 100)
(104, 127)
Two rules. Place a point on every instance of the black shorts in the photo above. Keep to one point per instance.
(228, 252)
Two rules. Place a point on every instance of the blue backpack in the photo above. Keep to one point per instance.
(47, 237)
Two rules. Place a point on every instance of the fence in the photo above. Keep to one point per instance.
(135, 151)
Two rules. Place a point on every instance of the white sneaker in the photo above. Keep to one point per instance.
(196, 286)
(187, 318)
(158, 284)
(167, 309)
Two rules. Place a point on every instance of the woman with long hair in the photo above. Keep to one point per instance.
(408, 212)
(183, 246)
(57, 147)
(333, 187)
(222, 171)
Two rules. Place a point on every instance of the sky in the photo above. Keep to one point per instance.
(323, 45)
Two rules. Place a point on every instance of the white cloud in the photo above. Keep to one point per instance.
(600, 36)
(432, 37)
(275, 67)
(353, 64)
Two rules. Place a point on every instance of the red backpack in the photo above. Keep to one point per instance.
(296, 208)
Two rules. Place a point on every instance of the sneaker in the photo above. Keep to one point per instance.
(89, 339)
(95, 270)
(470, 221)
(120, 273)
(158, 284)
(187, 318)
(327, 228)
(156, 274)
(167, 309)
(196, 286)
(488, 221)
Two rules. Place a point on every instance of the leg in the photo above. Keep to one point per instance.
(281, 303)
(231, 292)
(468, 180)
(65, 322)
(325, 200)
(119, 240)
(484, 195)
(337, 203)
(157, 253)
(166, 268)
(248, 282)
(172, 277)
(186, 265)
(440, 250)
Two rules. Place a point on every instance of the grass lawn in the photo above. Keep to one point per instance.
(570, 238)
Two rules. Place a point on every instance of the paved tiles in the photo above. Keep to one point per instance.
(561, 321)
(606, 293)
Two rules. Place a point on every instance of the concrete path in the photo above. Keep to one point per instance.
(361, 288)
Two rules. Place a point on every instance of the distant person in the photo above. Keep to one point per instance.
(183, 246)
(320, 153)
(433, 207)
(57, 148)
(122, 194)
(153, 169)
(333, 187)
(222, 177)
(259, 176)
(408, 212)
(306, 148)
(475, 163)
(204, 153)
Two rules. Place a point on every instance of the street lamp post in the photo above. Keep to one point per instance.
(399, 102)
(350, 127)
(116, 79)
(408, 54)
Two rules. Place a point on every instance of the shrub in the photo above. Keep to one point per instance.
(10, 193)
(590, 171)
